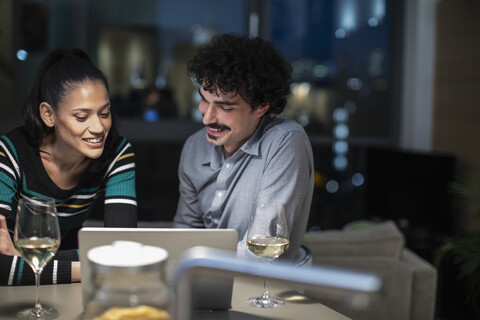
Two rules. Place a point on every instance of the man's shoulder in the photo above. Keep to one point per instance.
(198, 137)
(196, 151)
(197, 144)
(281, 126)
(286, 134)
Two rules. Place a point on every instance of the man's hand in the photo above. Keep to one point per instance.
(6, 244)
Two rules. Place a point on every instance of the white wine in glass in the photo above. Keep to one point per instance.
(267, 246)
(267, 238)
(37, 238)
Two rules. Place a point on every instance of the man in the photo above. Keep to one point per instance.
(246, 153)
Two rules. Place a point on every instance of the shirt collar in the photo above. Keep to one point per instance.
(251, 146)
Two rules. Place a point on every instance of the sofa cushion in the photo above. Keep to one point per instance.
(380, 239)
(394, 299)
(424, 286)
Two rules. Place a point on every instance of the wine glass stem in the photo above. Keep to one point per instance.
(265, 289)
(38, 306)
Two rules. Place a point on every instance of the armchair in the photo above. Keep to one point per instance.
(409, 282)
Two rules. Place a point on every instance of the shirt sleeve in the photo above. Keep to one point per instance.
(15, 271)
(288, 178)
(189, 213)
(120, 194)
(9, 177)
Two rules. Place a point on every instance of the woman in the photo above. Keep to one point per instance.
(69, 150)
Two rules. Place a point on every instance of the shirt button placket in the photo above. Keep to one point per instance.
(221, 187)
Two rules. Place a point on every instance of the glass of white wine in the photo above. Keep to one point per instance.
(37, 238)
(267, 238)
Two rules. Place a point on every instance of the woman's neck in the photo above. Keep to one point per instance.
(64, 168)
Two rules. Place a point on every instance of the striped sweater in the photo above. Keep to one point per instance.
(22, 174)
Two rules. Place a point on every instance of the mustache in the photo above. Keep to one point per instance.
(218, 126)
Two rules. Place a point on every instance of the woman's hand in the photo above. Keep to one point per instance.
(6, 245)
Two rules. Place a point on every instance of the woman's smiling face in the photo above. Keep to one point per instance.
(83, 119)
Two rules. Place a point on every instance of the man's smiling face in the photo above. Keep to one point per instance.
(229, 119)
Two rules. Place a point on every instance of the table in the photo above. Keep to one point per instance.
(67, 299)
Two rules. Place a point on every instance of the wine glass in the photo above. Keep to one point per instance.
(37, 238)
(267, 238)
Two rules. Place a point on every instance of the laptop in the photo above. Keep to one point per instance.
(208, 292)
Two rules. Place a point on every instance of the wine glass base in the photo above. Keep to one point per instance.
(265, 302)
(33, 314)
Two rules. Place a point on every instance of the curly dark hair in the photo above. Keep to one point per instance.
(253, 67)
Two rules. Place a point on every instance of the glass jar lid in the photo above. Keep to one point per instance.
(127, 257)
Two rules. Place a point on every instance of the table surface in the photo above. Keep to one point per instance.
(67, 299)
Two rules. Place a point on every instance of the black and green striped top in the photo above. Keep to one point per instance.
(22, 174)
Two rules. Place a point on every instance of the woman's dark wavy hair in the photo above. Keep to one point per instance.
(250, 66)
(59, 72)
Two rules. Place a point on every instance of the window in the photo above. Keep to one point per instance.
(344, 53)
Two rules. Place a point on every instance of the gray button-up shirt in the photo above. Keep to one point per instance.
(274, 165)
